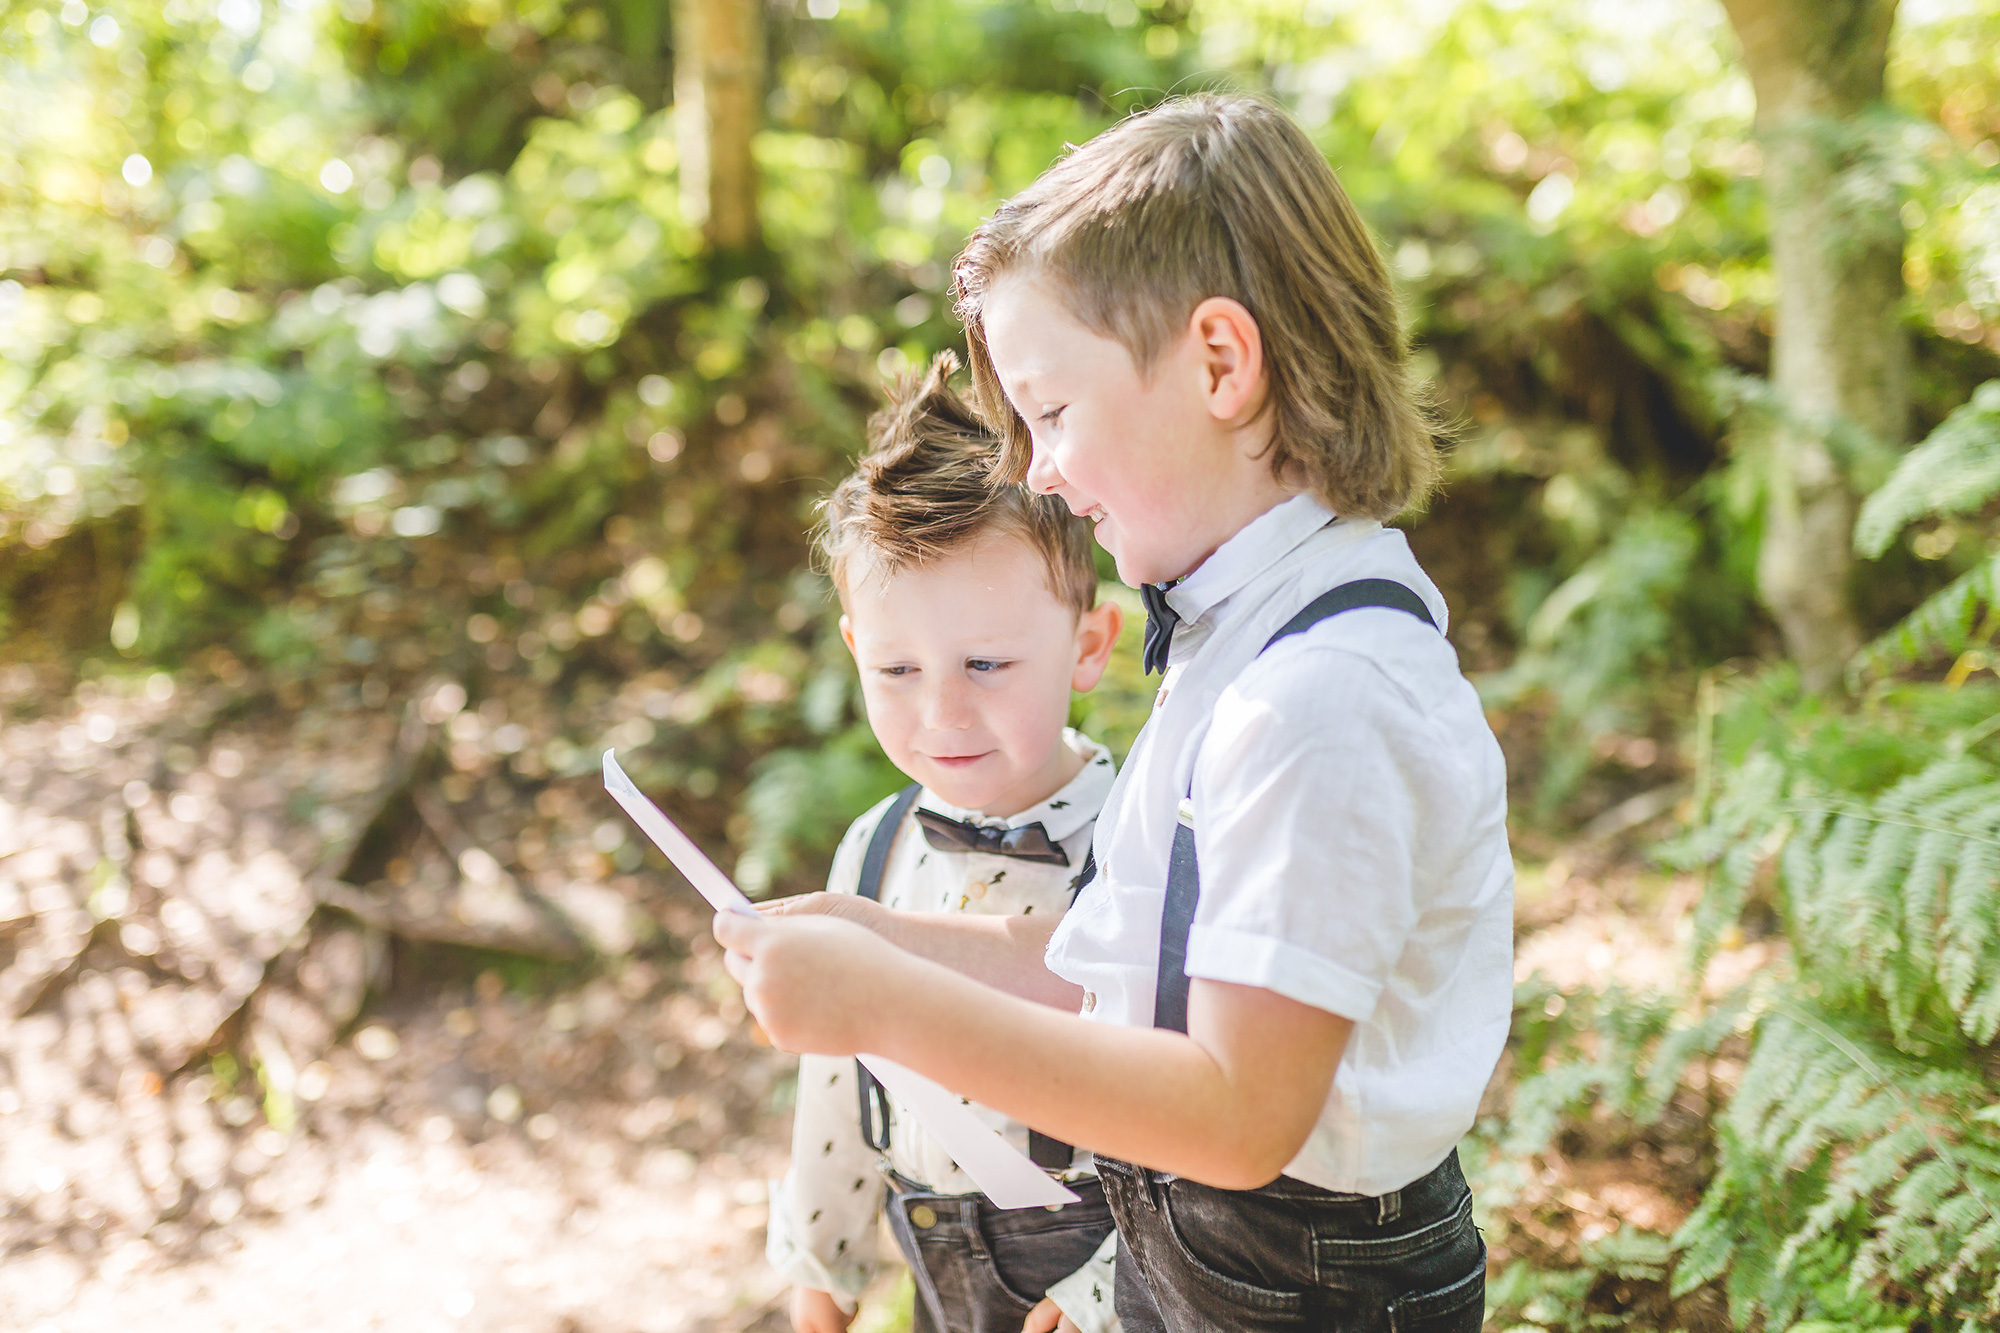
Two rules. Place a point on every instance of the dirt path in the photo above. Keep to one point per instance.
(424, 1191)
(230, 1100)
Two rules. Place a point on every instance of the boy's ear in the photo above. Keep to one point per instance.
(847, 635)
(1096, 634)
(1230, 349)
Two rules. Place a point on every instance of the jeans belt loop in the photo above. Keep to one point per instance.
(975, 1235)
(1388, 1207)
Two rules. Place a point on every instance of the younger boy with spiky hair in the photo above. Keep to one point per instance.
(972, 614)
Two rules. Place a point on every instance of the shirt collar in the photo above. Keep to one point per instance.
(1064, 813)
(1260, 544)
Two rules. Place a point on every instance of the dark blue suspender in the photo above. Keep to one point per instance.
(1047, 1153)
(1170, 990)
(874, 1101)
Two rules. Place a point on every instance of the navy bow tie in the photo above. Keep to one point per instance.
(1029, 842)
(1160, 622)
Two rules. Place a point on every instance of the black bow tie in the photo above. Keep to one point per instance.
(1029, 842)
(1160, 622)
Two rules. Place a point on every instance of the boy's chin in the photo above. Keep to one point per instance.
(958, 790)
(1136, 570)
(1131, 570)
(1135, 567)
(981, 792)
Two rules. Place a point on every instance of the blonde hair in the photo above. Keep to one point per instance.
(925, 489)
(1222, 195)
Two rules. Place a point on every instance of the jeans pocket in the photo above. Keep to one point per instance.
(1025, 1265)
(1238, 1292)
(1457, 1308)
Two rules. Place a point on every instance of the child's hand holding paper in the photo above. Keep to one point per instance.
(842, 906)
(823, 957)
(789, 966)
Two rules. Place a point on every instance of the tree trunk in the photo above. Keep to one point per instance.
(1839, 357)
(718, 91)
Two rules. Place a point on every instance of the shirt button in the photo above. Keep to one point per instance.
(976, 889)
(922, 1217)
(1089, 1001)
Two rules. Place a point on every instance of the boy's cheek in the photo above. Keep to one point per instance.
(893, 733)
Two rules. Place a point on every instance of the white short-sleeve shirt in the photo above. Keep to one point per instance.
(1349, 812)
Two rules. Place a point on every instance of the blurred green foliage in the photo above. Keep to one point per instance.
(361, 346)
(366, 341)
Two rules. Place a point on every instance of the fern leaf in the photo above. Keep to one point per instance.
(1860, 1150)
(1680, 1048)
(1830, 1117)
(1956, 470)
(1747, 825)
(1871, 891)
(1873, 1168)
(1941, 625)
(1708, 1241)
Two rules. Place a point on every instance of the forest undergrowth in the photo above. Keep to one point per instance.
(240, 1085)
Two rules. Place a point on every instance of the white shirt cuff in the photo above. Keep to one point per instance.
(1271, 964)
(796, 1264)
(1085, 1296)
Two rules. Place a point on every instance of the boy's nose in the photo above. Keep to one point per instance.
(1043, 477)
(945, 709)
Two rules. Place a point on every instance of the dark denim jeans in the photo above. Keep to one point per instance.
(1193, 1259)
(980, 1269)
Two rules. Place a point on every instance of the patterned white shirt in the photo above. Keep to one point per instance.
(823, 1214)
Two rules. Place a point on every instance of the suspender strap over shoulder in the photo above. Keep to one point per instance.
(1385, 593)
(876, 860)
(874, 1101)
(1048, 1153)
(1170, 988)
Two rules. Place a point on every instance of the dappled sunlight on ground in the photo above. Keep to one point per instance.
(430, 1214)
(402, 1103)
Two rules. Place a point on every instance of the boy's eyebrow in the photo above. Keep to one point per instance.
(1013, 645)
(1022, 393)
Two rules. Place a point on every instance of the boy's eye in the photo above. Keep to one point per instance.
(1050, 417)
(983, 664)
(896, 670)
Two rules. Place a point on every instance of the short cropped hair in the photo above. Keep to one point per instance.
(1222, 195)
(925, 489)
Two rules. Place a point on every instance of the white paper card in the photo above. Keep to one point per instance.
(1008, 1178)
(704, 874)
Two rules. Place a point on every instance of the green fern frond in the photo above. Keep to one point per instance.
(1906, 888)
(1682, 1046)
(1640, 1044)
(1858, 1157)
(1897, 895)
(1943, 625)
(1956, 470)
(1874, 1156)
(1747, 823)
